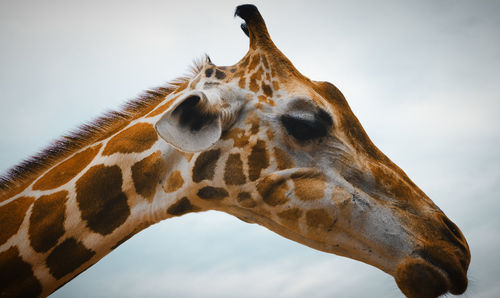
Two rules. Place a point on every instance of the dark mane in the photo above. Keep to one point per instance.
(89, 133)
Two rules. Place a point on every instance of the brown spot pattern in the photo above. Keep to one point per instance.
(273, 190)
(146, 174)
(212, 193)
(238, 135)
(67, 257)
(257, 160)
(276, 85)
(47, 221)
(268, 77)
(245, 200)
(16, 276)
(245, 62)
(254, 122)
(292, 214)
(309, 189)
(283, 160)
(66, 170)
(204, 166)
(181, 207)
(258, 74)
(137, 138)
(267, 90)
(233, 172)
(254, 63)
(254, 129)
(266, 100)
(264, 61)
(319, 218)
(12, 215)
(242, 83)
(208, 72)
(219, 74)
(254, 86)
(174, 182)
(101, 200)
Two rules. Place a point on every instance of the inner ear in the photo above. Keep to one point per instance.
(192, 125)
(192, 115)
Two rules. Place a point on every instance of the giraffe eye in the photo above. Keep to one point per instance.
(304, 127)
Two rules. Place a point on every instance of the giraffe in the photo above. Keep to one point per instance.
(257, 140)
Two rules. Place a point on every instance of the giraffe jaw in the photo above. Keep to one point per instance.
(421, 275)
(418, 272)
(345, 243)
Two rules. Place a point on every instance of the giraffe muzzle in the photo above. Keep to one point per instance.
(431, 274)
(437, 268)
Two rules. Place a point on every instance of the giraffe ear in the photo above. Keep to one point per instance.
(191, 125)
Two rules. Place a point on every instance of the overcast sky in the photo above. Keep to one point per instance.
(423, 77)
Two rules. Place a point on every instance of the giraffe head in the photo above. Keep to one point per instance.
(275, 148)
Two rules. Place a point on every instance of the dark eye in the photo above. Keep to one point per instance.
(304, 128)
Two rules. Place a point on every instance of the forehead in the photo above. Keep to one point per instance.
(265, 74)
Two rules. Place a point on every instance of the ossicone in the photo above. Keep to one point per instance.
(254, 26)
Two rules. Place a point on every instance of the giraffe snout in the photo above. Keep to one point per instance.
(439, 264)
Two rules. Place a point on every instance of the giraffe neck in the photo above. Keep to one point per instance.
(85, 206)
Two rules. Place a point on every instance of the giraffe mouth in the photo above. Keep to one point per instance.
(431, 274)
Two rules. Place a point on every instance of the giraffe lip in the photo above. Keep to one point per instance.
(427, 277)
(454, 271)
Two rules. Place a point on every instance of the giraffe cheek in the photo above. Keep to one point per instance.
(245, 200)
(290, 217)
(204, 166)
(174, 182)
(319, 219)
(258, 160)
(273, 190)
(309, 189)
(233, 171)
(283, 160)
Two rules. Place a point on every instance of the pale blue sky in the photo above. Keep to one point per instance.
(422, 77)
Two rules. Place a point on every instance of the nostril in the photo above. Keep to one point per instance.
(455, 236)
(452, 227)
